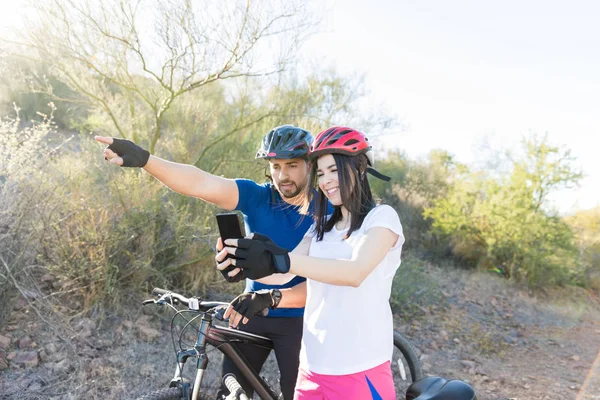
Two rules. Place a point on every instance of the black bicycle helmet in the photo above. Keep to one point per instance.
(286, 141)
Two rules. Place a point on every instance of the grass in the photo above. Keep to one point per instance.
(413, 290)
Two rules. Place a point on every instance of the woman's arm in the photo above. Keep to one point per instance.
(371, 250)
(281, 279)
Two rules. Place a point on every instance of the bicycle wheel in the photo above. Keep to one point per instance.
(406, 367)
(164, 394)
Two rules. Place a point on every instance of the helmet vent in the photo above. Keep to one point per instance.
(351, 142)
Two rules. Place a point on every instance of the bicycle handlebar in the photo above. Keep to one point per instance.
(193, 303)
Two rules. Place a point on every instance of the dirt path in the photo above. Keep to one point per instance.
(507, 344)
(510, 345)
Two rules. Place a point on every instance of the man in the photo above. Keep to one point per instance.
(271, 209)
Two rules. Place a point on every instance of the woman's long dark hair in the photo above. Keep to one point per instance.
(354, 190)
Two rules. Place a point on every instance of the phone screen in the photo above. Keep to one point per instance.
(229, 226)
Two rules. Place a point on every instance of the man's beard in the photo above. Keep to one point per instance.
(290, 193)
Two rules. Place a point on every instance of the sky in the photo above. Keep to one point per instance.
(460, 74)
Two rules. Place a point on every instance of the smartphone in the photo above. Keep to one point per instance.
(229, 226)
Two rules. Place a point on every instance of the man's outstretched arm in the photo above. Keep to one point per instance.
(182, 178)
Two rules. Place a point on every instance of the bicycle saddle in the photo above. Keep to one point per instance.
(437, 388)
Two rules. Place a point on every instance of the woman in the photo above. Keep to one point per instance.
(349, 259)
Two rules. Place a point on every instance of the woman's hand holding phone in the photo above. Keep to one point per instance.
(258, 256)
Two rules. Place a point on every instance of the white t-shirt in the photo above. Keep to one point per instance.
(347, 329)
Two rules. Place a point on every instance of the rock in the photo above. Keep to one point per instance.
(147, 333)
(96, 367)
(35, 386)
(22, 384)
(575, 358)
(85, 333)
(456, 340)
(61, 367)
(20, 304)
(87, 351)
(468, 363)
(27, 358)
(3, 363)
(4, 342)
(49, 278)
(59, 356)
(11, 356)
(85, 327)
(115, 360)
(85, 323)
(51, 348)
(25, 342)
(147, 369)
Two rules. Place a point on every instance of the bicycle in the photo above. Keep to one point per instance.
(406, 367)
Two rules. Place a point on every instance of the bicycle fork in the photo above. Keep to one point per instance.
(198, 352)
(201, 356)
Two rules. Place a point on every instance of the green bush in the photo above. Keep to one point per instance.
(415, 185)
(413, 290)
(502, 222)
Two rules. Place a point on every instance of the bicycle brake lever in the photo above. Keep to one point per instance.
(151, 301)
(219, 314)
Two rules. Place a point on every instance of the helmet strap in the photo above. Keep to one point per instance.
(378, 174)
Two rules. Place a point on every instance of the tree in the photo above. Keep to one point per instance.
(415, 185)
(586, 225)
(132, 59)
(504, 222)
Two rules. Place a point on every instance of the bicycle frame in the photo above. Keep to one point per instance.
(224, 340)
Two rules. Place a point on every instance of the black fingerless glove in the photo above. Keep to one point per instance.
(236, 278)
(254, 303)
(132, 154)
(259, 257)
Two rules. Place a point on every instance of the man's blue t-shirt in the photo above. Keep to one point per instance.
(265, 212)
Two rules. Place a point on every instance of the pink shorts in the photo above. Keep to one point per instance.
(373, 384)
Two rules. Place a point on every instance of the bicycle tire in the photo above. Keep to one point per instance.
(405, 355)
(164, 394)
